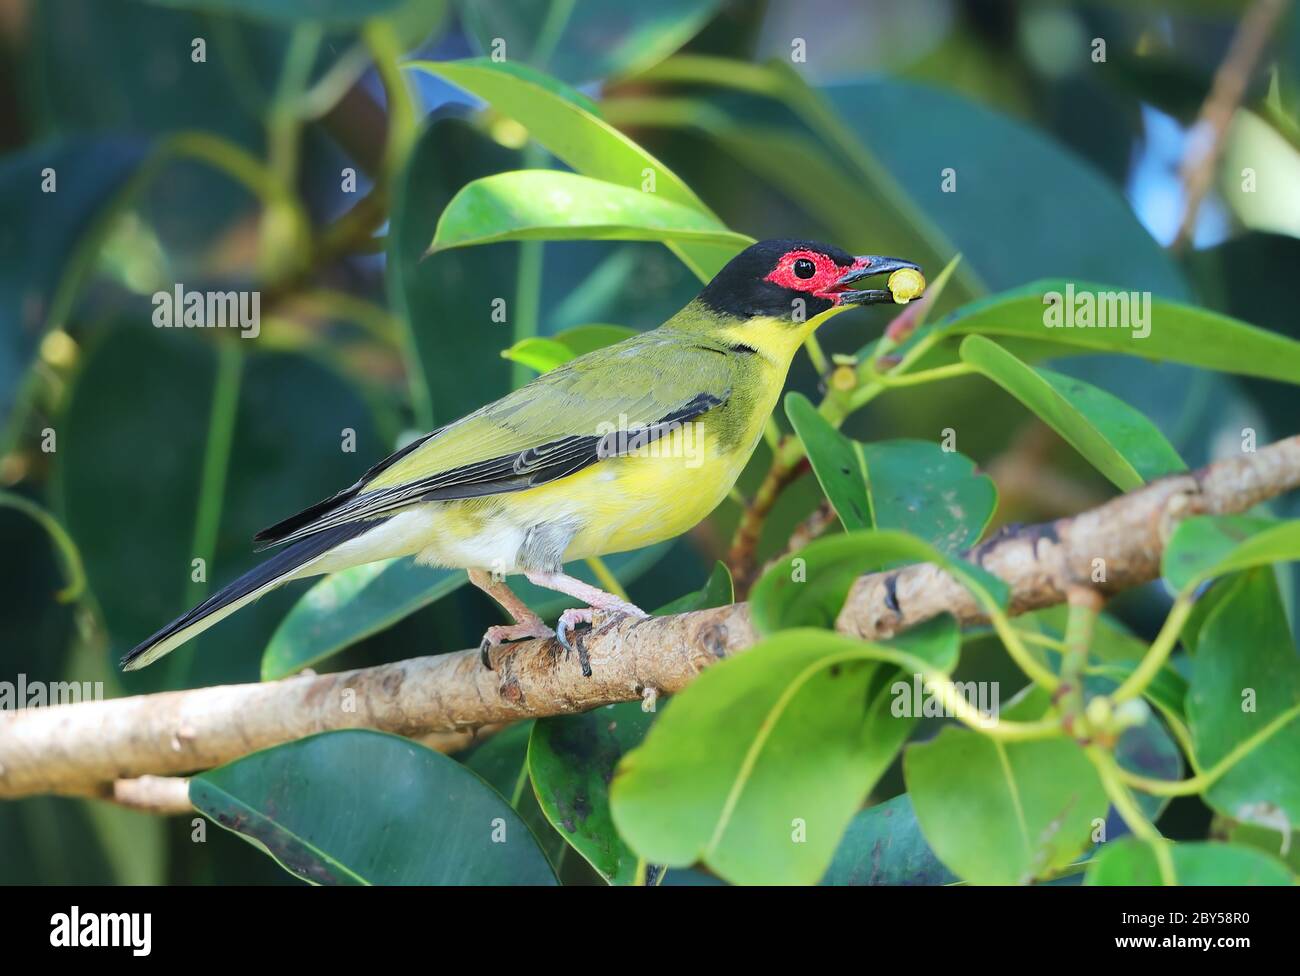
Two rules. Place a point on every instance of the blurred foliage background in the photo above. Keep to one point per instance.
(294, 160)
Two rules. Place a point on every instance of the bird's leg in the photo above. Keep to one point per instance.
(526, 623)
(597, 600)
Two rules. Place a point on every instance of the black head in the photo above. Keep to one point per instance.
(794, 280)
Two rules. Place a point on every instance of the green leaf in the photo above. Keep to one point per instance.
(884, 846)
(936, 495)
(1003, 813)
(760, 764)
(545, 353)
(837, 461)
(348, 606)
(1278, 841)
(548, 205)
(717, 591)
(910, 485)
(1245, 681)
(1132, 863)
(1178, 333)
(538, 353)
(502, 760)
(592, 41)
(571, 759)
(87, 176)
(581, 140)
(1113, 437)
(362, 807)
(808, 588)
(1207, 546)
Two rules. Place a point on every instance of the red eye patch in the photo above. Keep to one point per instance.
(822, 282)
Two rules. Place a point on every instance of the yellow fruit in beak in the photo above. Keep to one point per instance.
(906, 284)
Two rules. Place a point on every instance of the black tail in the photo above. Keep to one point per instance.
(256, 581)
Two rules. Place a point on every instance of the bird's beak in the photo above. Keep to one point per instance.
(868, 266)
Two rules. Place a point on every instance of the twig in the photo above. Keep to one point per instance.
(71, 749)
(165, 795)
(1205, 139)
(744, 544)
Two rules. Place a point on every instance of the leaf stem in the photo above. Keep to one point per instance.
(1158, 652)
(63, 544)
(1203, 781)
(1111, 776)
(962, 710)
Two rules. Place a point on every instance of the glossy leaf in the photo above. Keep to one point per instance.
(717, 591)
(1211, 545)
(884, 846)
(910, 485)
(933, 494)
(362, 807)
(545, 353)
(1132, 863)
(580, 139)
(1245, 682)
(1178, 333)
(502, 760)
(549, 205)
(571, 759)
(837, 461)
(808, 588)
(760, 764)
(1003, 813)
(1113, 437)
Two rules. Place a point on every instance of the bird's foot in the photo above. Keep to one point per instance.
(612, 611)
(501, 633)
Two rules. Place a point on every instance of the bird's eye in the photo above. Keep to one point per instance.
(803, 268)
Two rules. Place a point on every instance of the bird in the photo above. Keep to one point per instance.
(617, 449)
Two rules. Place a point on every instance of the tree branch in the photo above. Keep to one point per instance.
(1206, 138)
(86, 748)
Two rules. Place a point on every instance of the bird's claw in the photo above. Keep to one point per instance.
(569, 620)
(500, 634)
(565, 627)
